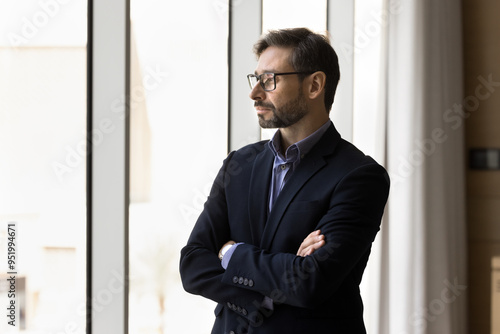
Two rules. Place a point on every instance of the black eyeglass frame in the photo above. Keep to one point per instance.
(249, 76)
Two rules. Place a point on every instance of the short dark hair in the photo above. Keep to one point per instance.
(311, 52)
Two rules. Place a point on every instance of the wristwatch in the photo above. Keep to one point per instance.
(224, 250)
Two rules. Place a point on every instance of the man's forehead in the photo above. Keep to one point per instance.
(274, 59)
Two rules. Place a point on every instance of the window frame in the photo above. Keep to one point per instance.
(340, 22)
(108, 77)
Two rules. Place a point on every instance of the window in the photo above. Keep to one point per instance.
(43, 158)
(179, 83)
(178, 139)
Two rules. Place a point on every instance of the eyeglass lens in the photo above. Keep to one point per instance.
(266, 80)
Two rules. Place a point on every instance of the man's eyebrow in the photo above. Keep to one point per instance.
(267, 71)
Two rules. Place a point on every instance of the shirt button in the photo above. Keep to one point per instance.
(283, 167)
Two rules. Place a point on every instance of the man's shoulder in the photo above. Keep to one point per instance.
(250, 151)
(348, 157)
(257, 145)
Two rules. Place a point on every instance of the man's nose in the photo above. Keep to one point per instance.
(257, 93)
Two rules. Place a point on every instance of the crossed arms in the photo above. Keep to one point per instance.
(312, 242)
(340, 250)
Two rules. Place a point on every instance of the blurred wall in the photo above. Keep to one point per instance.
(481, 115)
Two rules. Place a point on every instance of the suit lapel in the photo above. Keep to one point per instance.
(309, 166)
(258, 197)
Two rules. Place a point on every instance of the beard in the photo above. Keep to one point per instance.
(286, 115)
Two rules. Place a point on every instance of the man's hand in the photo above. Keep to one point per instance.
(314, 241)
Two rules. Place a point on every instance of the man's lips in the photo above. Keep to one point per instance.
(261, 109)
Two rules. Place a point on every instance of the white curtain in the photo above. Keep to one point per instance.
(416, 279)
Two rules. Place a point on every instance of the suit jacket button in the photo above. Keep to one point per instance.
(244, 311)
(245, 282)
(240, 280)
(250, 282)
(229, 304)
(235, 279)
(239, 309)
(232, 332)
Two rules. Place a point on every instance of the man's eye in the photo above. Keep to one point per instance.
(266, 80)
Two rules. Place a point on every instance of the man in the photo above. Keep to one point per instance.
(286, 231)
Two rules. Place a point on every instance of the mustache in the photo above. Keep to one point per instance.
(262, 104)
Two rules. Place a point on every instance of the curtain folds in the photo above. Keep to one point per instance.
(418, 268)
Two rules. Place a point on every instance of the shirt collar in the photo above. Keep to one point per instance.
(299, 149)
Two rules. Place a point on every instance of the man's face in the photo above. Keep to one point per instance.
(284, 106)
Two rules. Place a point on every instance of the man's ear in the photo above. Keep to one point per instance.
(317, 82)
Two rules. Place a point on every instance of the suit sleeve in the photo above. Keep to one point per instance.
(349, 225)
(200, 268)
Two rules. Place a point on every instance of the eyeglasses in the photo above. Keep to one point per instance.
(268, 80)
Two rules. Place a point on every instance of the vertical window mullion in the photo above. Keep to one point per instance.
(108, 174)
(245, 27)
(341, 27)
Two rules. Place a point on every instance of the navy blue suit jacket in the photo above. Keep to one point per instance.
(336, 189)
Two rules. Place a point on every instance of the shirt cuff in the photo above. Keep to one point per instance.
(227, 257)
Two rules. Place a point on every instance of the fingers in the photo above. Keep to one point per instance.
(308, 245)
(314, 247)
(314, 241)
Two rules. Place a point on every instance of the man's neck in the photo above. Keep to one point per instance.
(297, 132)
